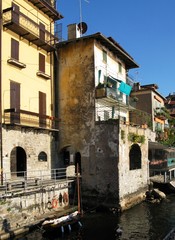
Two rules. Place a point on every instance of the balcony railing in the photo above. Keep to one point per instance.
(28, 29)
(107, 92)
(30, 119)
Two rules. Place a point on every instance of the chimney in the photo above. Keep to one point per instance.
(73, 31)
(136, 87)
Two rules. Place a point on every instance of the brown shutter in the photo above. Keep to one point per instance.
(15, 13)
(15, 101)
(42, 31)
(41, 63)
(42, 109)
(14, 49)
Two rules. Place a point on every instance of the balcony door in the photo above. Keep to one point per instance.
(15, 102)
(42, 109)
(42, 31)
(15, 13)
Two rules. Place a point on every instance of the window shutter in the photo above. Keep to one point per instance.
(14, 49)
(41, 63)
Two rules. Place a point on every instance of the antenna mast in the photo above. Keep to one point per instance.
(80, 5)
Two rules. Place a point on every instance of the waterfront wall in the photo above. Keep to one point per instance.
(22, 208)
(29, 150)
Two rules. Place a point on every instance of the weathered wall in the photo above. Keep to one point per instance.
(33, 142)
(24, 208)
(76, 93)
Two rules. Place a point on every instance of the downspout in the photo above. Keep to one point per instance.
(1, 159)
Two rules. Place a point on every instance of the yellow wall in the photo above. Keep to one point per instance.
(31, 84)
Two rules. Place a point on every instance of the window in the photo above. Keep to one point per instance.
(99, 75)
(15, 102)
(106, 115)
(14, 60)
(104, 56)
(42, 109)
(42, 31)
(135, 156)
(14, 49)
(120, 67)
(42, 157)
(41, 72)
(41, 63)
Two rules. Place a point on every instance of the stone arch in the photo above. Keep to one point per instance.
(18, 161)
(135, 157)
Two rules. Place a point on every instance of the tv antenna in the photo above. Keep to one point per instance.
(82, 25)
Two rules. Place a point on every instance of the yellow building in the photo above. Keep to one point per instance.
(26, 81)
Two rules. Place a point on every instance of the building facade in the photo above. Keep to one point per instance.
(149, 101)
(28, 126)
(93, 102)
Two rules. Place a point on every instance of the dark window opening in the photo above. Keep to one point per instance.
(135, 156)
(66, 157)
(42, 157)
(78, 162)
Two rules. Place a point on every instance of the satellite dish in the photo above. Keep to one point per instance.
(83, 27)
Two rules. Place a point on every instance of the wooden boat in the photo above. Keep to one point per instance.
(70, 221)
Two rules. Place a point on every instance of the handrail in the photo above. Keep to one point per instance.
(23, 180)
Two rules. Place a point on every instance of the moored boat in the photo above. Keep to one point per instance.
(68, 221)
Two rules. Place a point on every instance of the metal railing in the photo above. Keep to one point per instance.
(27, 25)
(27, 118)
(23, 180)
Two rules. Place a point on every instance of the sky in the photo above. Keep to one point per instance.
(144, 28)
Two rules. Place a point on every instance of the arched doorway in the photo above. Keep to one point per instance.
(78, 162)
(18, 163)
(135, 157)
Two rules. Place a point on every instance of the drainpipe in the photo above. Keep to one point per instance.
(1, 160)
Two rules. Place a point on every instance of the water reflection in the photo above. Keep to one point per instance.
(145, 221)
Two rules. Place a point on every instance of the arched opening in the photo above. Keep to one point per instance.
(18, 163)
(135, 157)
(42, 157)
(78, 162)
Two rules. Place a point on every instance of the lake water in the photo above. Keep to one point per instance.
(146, 221)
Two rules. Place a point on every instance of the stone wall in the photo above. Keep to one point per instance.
(24, 208)
(32, 142)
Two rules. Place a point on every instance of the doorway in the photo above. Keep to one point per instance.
(18, 163)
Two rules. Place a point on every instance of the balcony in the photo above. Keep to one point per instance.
(26, 28)
(47, 7)
(26, 119)
(161, 113)
(107, 93)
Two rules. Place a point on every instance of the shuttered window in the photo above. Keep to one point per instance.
(42, 109)
(14, 49)
(42, 31)
(41, 63)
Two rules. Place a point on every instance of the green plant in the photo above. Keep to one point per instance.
(135, 138)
